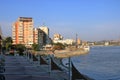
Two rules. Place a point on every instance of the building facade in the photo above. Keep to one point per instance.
(35, 35)
(45, 30)
(40, 37)
(46, 34)
(79, 42)
(22, 31)
(66, 41)
(57, 37)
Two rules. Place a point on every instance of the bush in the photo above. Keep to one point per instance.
(35, 47)
(58, 46)
(20, 48)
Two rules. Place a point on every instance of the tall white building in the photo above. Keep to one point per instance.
(46, 31)
(66, 41)
(59, 39)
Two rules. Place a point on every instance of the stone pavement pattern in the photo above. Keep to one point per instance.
(20, 68)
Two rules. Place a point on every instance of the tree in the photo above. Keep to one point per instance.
(8, 40)
(8, 46)
(58, 46)
(35, 47)
(20, 48)
(7, 43)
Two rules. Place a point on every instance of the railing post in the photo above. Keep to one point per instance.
(69, 61)
(49, 64)
(31, 57)
(28, 55)
(38, 59)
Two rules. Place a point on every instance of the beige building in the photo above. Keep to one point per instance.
(57, 37)
(66, 41)
(45, 30)
(79, 42)
(22, 31)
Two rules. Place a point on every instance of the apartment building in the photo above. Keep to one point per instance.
(45, 30)
(46, 34)
(35, 35)
(41, 38)
(57, 37)
(22, 31)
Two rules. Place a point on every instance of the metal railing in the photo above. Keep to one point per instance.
(2, 66)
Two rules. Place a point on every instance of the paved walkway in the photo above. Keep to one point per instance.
(20, 68)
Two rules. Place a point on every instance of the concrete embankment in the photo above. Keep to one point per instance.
(67, 54)
(22, 68)
(62, 53)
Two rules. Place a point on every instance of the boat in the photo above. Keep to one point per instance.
(86, 48)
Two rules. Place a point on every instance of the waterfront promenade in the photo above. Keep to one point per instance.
(21, 68)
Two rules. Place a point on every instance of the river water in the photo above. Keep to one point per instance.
(102, 63)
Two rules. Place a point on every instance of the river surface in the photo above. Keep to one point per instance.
(102, 63)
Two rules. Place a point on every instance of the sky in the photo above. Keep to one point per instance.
(91, 20)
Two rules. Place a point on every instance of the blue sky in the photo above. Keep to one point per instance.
(91, 19)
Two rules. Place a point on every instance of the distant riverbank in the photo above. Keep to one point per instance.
(104, 45)
(62, 53)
